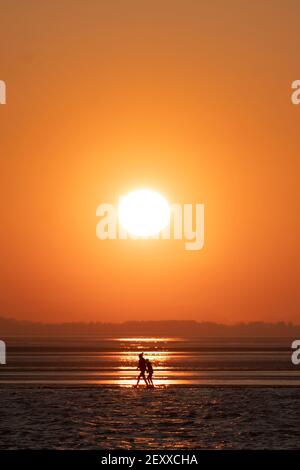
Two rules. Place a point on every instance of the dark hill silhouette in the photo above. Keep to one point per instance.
(11, 327)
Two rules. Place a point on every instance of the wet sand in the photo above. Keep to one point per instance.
(38, 417)
(211, 393)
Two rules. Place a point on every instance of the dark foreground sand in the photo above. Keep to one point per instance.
(172, 417)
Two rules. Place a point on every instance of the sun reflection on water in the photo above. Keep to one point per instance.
(143, 339)
(128, 359)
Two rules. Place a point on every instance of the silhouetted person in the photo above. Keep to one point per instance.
(142, 366)
(150, 372)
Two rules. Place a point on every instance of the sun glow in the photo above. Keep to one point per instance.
(143, 213)
(145, 339)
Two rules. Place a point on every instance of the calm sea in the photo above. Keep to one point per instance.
(112, 361)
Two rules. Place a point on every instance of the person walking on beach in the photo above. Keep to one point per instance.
(150, 372)
(142, 366)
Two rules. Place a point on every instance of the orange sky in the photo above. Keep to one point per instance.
(189, 98)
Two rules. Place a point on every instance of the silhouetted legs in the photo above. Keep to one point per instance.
(142, 375)
(149, 379)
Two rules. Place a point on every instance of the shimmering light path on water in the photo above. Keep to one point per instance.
(176, 361)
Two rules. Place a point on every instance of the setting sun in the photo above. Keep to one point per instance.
(143, 213)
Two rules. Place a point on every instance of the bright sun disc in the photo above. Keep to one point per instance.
(143, 213)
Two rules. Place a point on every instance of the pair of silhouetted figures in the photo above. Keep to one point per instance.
(144, 366)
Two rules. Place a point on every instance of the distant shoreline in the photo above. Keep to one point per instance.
(172, 328)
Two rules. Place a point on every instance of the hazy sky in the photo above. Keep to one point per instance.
(191, 98)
